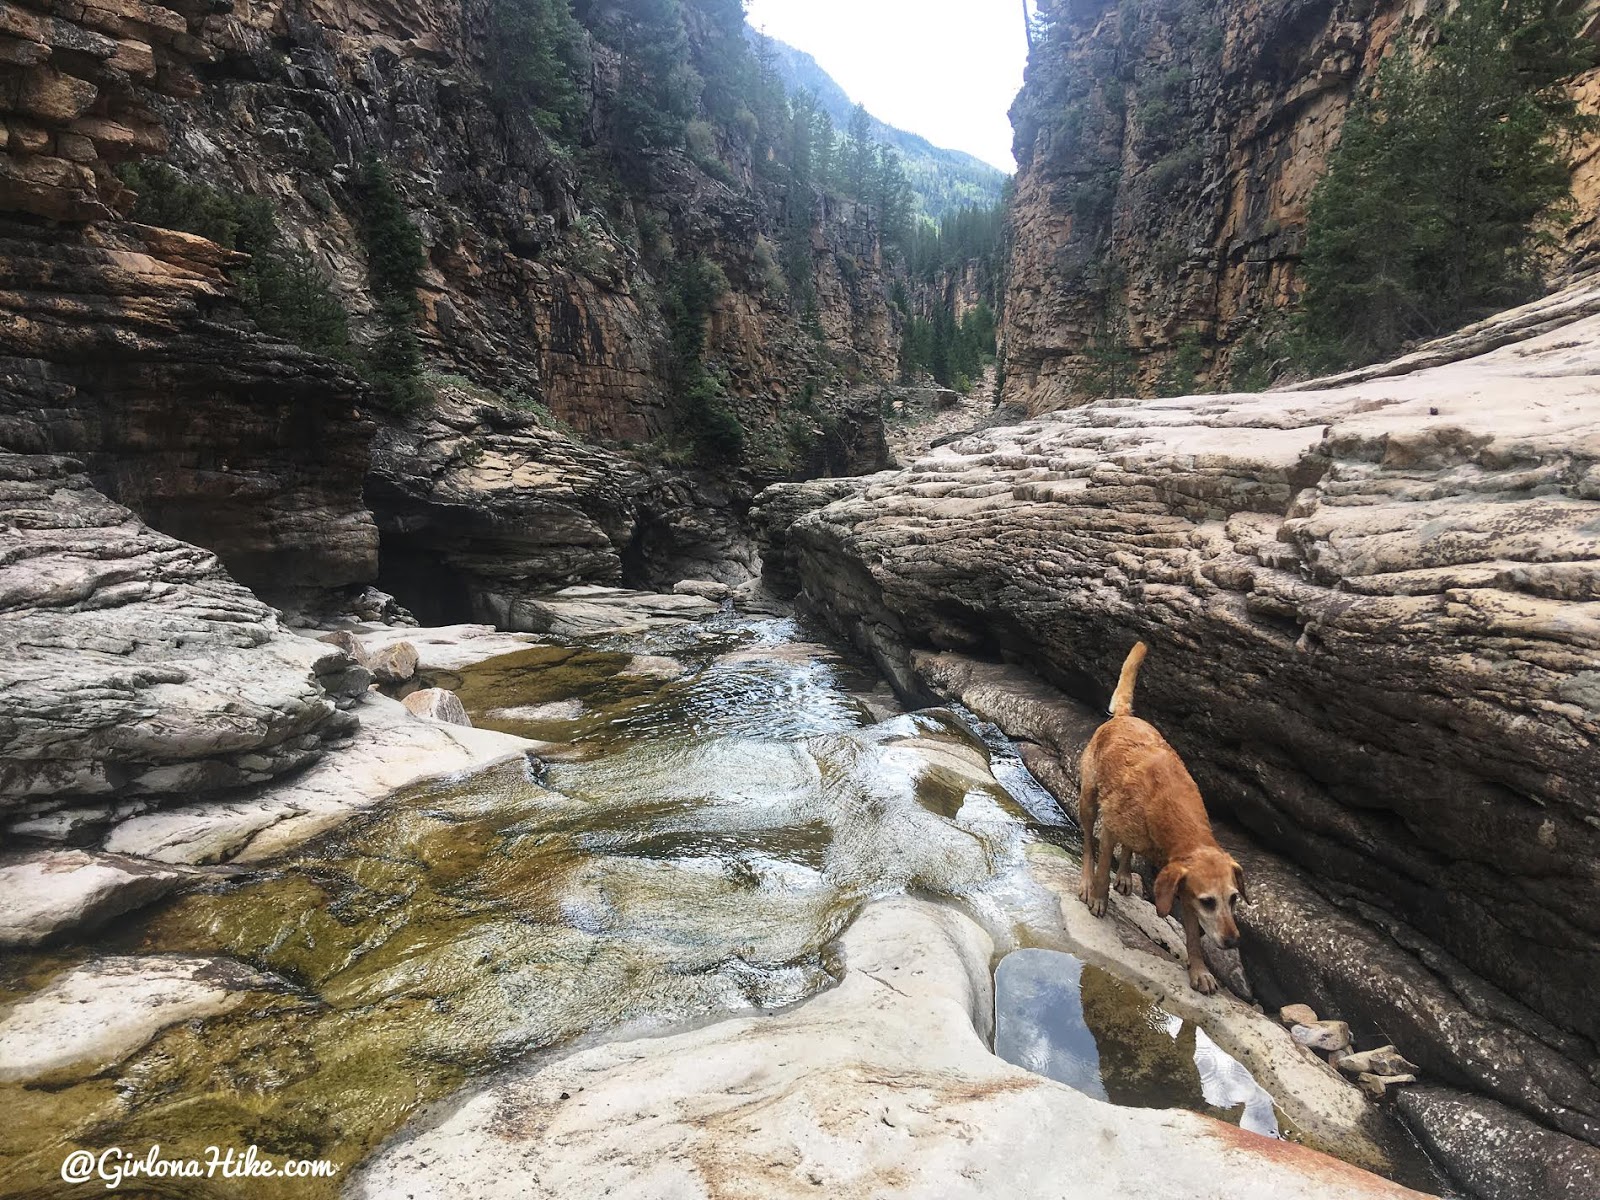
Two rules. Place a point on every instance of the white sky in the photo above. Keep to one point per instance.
(947, 69)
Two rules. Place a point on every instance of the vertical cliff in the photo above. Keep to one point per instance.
(550, 272)
(544, 272)
(1167, 150)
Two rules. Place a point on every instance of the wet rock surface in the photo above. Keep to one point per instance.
(883, 1083)
(99, 1013)
(1494, 1152)
(712, 831)
(1368, 613)
(49, 893)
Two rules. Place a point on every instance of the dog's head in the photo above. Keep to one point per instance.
(1211, 884)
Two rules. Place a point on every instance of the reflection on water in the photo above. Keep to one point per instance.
(1084, 1027)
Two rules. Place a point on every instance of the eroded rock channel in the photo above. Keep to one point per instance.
(716, 843)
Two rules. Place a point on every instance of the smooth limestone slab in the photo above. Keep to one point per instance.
(882, 1087)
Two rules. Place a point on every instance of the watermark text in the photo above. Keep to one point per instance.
(115, 1166)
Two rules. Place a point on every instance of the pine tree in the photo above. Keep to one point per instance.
(537, 56)
(1440, 190)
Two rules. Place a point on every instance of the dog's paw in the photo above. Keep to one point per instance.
(1097, 906)
(1203, 982)
(1130, 885)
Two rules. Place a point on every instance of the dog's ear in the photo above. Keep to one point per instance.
(1167, 887)
(1238, 881)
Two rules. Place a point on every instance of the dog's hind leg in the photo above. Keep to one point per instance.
(1127, 881)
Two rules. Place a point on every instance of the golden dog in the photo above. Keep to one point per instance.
(1137, 787)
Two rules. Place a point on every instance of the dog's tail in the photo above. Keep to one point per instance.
(1122, 698)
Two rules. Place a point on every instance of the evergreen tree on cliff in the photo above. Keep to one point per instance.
(1448, 178)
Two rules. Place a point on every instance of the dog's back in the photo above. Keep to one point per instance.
(1144, 794)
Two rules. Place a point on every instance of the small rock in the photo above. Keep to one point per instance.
(706, 589)
(553, 710)
(1385, 1060)
(1326, 1036)
(1377, 1086)
(394, 664)
(350, 644)
(653, 666)
(438, 704)
(1297, 1014)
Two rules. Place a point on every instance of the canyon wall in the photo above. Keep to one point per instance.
(1167, 151)
(1371, 613)
(127, 347)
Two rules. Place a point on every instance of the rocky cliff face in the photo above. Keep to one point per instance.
(1370, 613)
(122, 348)
(1167, 153)
(480, 506)
(123, 345)
(530, 285)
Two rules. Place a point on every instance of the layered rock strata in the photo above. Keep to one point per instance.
(482, 506)
(1369, 608)
(121, 348)
(1167, 153)
(134, 667)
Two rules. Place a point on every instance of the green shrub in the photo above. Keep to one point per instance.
(1179, 376)
(537, 54)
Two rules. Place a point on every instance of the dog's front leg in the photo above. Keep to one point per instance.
(1200, 979)
(1102, 876)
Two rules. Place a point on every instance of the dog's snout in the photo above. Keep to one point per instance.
(1228, 943)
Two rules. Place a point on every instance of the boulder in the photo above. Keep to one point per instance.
(49, 893)
(350, 644)
(395, 663)
(437, 704)
(1297, 1014)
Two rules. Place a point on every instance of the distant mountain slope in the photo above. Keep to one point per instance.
(944, 180)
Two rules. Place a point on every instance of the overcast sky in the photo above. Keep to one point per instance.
(947, 69)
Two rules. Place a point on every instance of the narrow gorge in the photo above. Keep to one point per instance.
(555, 577)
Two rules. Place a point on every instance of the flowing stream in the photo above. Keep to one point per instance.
(709, 808)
